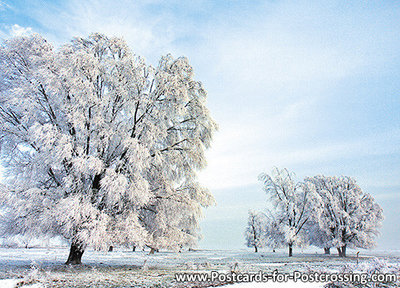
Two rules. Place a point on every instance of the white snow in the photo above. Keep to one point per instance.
(124, 267)
(13, 283)
(9, 283)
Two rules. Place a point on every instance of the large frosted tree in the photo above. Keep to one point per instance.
(100, 147)
(290, 206)
(347, 215)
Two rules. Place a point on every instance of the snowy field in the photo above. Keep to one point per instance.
(44, 267)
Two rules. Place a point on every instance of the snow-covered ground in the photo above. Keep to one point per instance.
(43, 267)
(12, 283)
(289, 284)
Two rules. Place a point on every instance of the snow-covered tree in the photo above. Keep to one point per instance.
(348, 215)
(290, 202)
(263, 230)
(255, 230)
(100, 147)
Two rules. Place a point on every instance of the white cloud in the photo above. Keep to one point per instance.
(16, 30)
(8, 31)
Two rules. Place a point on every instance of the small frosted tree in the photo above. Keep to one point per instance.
(290, 202)
(100, 147)
(255, 230)
(349, 216)
(263, 230)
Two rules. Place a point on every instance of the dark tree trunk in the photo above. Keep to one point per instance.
(255, 249)
(273, 250)
(290, 250)
(133, 248)
(342, 251)
(327, 251)
(152, 250)
(110, 249)
(75, 254)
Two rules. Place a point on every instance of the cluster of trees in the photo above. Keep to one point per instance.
(322, 211)
(100, 147)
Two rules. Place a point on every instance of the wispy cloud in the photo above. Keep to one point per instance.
(148, 34)
(3, 6)
(229, 168)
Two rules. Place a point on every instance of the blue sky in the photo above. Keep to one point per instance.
(308, 85)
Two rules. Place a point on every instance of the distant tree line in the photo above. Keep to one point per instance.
(324, 211)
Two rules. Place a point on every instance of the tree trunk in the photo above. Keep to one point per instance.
(342, 251)
(290, 250)
(133, 248)
(75, 253)
(255, 249)
(327, 251)
(110, 249)
(152, 250)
